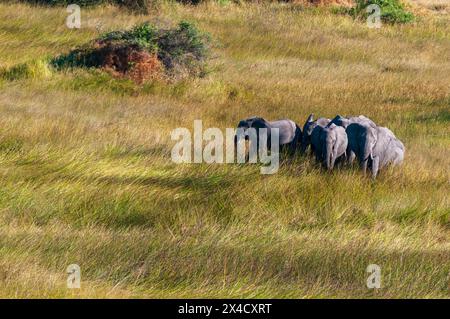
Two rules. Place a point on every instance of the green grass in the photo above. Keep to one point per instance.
(86, 175)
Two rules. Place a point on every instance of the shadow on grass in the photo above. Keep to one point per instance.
(127, 210)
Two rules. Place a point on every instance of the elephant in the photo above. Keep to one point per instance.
(361, 140)
(388, 150)
(344, 121)
(330, 144)
(308, 128)
(290, 134)
(375, 147)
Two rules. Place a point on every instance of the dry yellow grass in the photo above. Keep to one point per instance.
(86, 176)
(436, 6)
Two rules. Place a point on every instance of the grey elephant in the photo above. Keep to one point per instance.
(375, 147)
(290, 134)
(308, 128)
(329, 144)
(346, 121)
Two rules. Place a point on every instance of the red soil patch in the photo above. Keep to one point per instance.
(129, 61)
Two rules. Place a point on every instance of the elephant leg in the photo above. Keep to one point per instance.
(343, 160)
(292, 148)
(350, 156)
(340, 161)
(333, 161)
(364, 163)
(312, 149)
(295, 144)
(283, 150)
(375, 166)
(318, 154)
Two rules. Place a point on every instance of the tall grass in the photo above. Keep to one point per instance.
(86, 175)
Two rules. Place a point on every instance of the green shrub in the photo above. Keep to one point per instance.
(144, 36)
(183, 46)
(392, 11)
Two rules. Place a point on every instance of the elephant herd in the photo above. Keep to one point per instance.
(336, 141)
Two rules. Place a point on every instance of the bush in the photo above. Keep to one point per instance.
(142, 50)
(392, 11)
(184, 46)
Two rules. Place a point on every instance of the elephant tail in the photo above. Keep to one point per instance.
(328, 156)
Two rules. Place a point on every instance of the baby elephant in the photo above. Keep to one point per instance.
(375, 147)
(330, 144)
(290, 134)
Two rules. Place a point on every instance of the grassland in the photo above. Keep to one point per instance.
(86, 175)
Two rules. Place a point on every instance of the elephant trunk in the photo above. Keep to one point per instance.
(366, 155)
(332, 160)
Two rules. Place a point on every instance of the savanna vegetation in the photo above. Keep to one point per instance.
(86, 175)
(142, 53)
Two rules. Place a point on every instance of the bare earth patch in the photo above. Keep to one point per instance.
(129, 61)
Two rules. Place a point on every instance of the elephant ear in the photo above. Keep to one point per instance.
(375, 132)
(309, 120)
(243, 123)
(336, 119)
